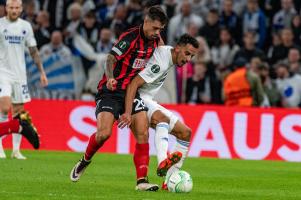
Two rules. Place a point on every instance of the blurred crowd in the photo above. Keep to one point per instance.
(266, 34)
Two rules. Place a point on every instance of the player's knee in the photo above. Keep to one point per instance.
(159, 119)
(185, 134)
(5, 109)
(102, 135)
(142, 137)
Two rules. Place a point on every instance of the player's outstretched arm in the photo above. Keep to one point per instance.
(34, 52)
(125, 119)
(111, 83)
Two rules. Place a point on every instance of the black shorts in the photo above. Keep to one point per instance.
(113, 102)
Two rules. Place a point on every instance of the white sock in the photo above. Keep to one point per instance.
(3, 118)
(161, 141)
(181, 146)
(17, 138)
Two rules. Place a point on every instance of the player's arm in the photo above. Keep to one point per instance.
(119, 51)
(34, 53)
(125, 119)
(31, 43)
(111, 83)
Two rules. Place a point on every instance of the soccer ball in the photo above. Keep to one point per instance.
(180, 182)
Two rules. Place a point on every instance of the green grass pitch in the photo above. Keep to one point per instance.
(45, 175)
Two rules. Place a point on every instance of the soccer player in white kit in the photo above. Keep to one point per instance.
(149, 81)
(15, 35)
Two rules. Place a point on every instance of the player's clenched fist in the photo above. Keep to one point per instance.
(43, 79)
(111, 84)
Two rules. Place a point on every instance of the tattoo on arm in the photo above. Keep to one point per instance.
(111, 60)
(34, 53)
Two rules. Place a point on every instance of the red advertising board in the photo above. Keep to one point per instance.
(217, 131)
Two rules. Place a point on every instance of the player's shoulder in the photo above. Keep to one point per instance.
(24, 22)
(164, 49)
(163, 52)
(130, 34)
(2, 20)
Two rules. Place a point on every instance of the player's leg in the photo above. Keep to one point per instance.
(183, 135)
(16, 137)
(5, 104)
(20, 96)
(105, 120)
(140, 127)
(162, 124)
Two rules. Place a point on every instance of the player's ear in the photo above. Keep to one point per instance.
(177, 48)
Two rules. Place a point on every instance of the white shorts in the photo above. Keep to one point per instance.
(18, 92)
(154, 106)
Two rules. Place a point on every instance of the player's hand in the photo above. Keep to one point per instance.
(124, 120)
(111, 84)
(43, 79)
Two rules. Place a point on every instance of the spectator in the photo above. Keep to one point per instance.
(239, 6)
(293, 61)
(59, 7)
(199, 8)
(249, 50)
(179, 23)
(193, 30)
(118, 23)
(254, 65)
(202, 87)
(169, 6)
(243, 87)
(135, 13)
(289, 86)
(106, 10)
(211, 4)
(210, 31)
(281, 52)
(296, 28)
(2, 10)
(283, 17)
(56, 45)
(74, 17)
(203, 54)
(42, 34)
(89, 29)
(29, 14)
(269, 86)
(87, 6)
(276, 42)
(105, 42)
(254, 21)
(224, 51)
(230, 19)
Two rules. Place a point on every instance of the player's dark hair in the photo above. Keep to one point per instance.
(188, 39)
(157, 13)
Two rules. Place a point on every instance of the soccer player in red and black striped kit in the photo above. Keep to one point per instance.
(126, 59)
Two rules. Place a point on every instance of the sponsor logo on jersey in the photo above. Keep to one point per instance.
(139, 63)
(155, 68)
(14, 39)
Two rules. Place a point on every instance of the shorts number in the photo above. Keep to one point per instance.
(139, 104)
(25, 89)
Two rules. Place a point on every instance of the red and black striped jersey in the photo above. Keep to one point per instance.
(132, 51)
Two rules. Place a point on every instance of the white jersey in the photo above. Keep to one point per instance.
(155, 72)
(14, 37)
